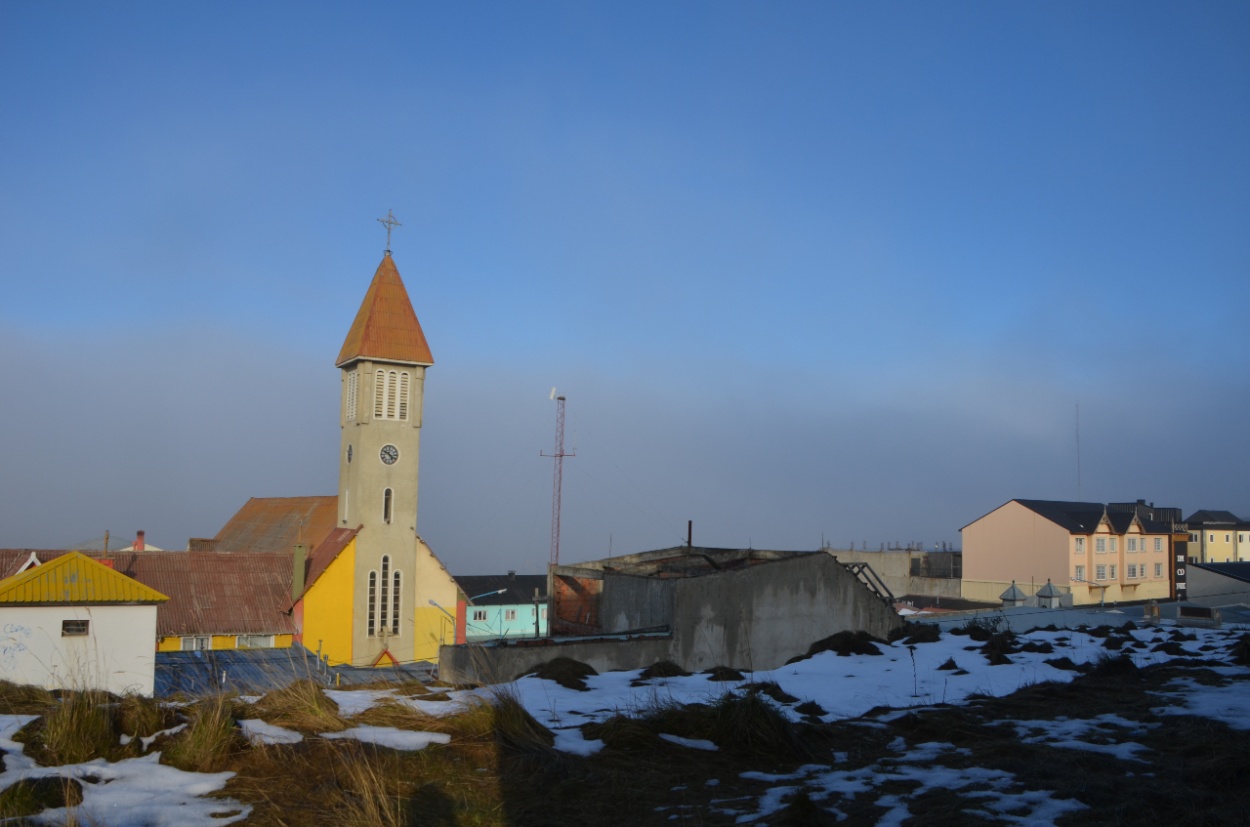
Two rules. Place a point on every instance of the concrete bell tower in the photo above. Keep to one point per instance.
(382, 366)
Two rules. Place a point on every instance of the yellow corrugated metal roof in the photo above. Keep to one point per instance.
(386, 326)
(75, 578)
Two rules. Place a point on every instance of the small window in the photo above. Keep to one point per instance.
(74, 628)
(1158, 544)
(1228, 538)
(1100, 572)
(197, 643)
(1132, 544)
(479, 615)
(1158, 569)
(387, 496)
(373, 604)
(403, 396)
(395, 582)
(1132, 571)
(1080, 573)
(254, 641)
(353, 385)
(379, 394)
(1210, 538)
(1114, 544)
(1113, 577)
(384, 602)
(1100, 545)
(509, 614)
(1079, 546)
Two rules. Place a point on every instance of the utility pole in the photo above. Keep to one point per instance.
(558, 481)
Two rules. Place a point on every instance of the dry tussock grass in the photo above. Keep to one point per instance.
(302, 706)
(210, 740)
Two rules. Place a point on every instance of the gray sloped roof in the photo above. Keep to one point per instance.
(517, 588)
(1083, 518)
(1209, 517)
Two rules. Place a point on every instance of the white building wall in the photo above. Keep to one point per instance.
(117, 654)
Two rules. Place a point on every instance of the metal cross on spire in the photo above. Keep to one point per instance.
(390, 224)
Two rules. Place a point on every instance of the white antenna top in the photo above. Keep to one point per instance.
(553, 393)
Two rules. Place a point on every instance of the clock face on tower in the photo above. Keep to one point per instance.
(389, 454)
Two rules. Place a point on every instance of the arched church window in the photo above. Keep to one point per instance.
(353, 385)
(392, 379)
(384, 602)
(395, 603)
(403, 396)
(379, 394)
(373, 603)
(390, 394)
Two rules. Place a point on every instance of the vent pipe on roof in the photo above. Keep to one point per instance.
(139, 541)
(689, 533)
(297, 573)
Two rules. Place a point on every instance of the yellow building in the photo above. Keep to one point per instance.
(1218, 537)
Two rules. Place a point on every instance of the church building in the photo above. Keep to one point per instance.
(375, 593)
(366, 590)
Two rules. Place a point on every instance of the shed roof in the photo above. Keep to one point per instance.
(208, 593)
(484, 589)
(76, 579)
(277, 524)
(386, 326)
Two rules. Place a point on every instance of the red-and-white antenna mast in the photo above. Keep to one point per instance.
(557, 483)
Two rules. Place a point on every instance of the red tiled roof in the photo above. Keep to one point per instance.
(386, 326)
(209, 592)
(277, 524)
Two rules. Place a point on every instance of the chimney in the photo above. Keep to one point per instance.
(139, 541)
(297, 574)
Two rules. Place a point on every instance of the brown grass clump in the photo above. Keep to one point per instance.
(301, 706)
(843, 644)
(569, 673)
(209, 739)
(141, 717)
(31, 796)
(773, 690)
(75, 729)
(370, 797)
(663, 669)
(16, 698)
(723, 673)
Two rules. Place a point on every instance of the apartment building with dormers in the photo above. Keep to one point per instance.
(1090, 552)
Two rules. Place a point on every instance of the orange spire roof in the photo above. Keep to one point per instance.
(386, 326)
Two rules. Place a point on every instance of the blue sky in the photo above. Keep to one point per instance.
(803, 270)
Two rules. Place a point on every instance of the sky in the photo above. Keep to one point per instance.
(806, 273)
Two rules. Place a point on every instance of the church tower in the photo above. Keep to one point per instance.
(382, 365)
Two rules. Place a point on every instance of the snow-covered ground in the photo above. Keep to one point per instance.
(141, 791)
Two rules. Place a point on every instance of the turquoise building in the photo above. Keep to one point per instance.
(505, 606)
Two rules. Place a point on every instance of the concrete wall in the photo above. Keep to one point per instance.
(894, 569)
(630, 602)
(754, 618)
(1208, 588)
(117, 654)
